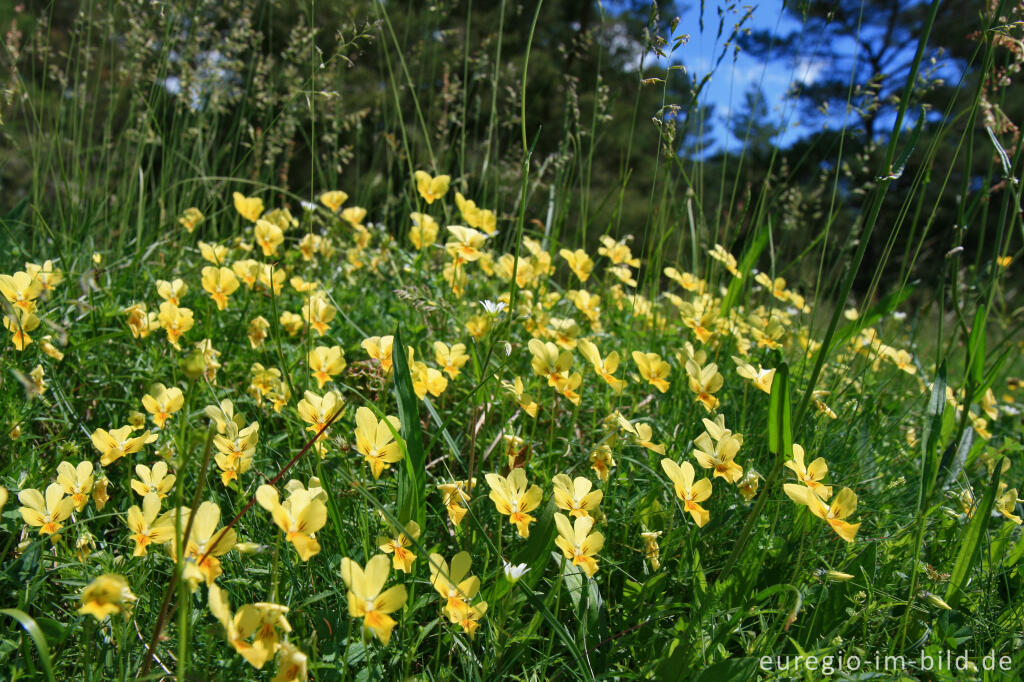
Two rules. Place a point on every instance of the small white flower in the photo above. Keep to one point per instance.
(898, 315)
(307, 205)
(514, 573)
(493, 308)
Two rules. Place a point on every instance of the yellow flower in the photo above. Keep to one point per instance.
(465, 244)
(475, 216)
(333, 199)
(398, 546)
(844, 504)
(575, 495)
(579, 262)
(214, 253)
(146, 528)
(219, 283)
(292, 664)
(268, 236)
(456, 499)
(292, 323)
(325, 362)
(456, 586)
(375, 440)
(651, 550)
(140, 323)
(190, 219)
(260, 621)
(205, 537)
(76, 481)
(300, 517)
(512, 498)
(100, 494)
(451, 359)
(354, 216)
(601, 461)
(748, 484)
(719, 456)
(618, 253)
(760, 377)
(686, 280)
(153, 481)
(642, 434)
(705, 382)
(20, 323)
(549, 362)
(318, 313)
(257, 331)
(3, 497)
(318, 411)
(21, 290)
(526, 402)
(367, 598)
(379, 349)
(469, 619)
(691, 494)
(46, 514)
(424, 230)
(162, 402)
(727, 259)
(427, 379)
(117, 443)
(1004, 261)
(1007, 505)
(47, 276)
(249, 208)
(106, 595)
(172, 291)
(578, 543)
(812, 474)
(606, 367)
(653, 369)
(50, 349)
(175, 321)
(431, 188)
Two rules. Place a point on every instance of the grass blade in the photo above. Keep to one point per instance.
(971, 543)
(412, 501)
(36, 633)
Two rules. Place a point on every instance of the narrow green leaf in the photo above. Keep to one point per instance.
(971, 541)
(976, 348)
(931, 436)
(36, 633)
(745, 265)
(412, 480)
(780, 428)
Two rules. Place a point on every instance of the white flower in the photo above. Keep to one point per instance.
(493, 308)
(898, 315)
(514, 573)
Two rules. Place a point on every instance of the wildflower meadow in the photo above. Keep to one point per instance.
(476, 341)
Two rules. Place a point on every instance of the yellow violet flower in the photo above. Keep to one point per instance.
(162, 402)
(172, 291)
(318, 411)
(45, 513)
(333, 199)
(21, 290)
(153, 481)
(456, 499)
(605, 367)
(354, 216)
(318, 313)
(760, 377)
(456, 586)
(642, 434)
(719, 456)
(325, 362)
(512, 498)
(451, 359)
(367, 598)
(578, 543)
(601, 461)
(705, 382)
(653, 369)
(106, 595)
(579, 262)
(375, 440)
(810, 475)
(220, 283)
(146, 528)
(423, 232)
(292, 664)
(190, 219)
(140, 322)
(175, 321)
(525, 402)
(466, 243)
(398, 546)
(618, 253)
(213, 253)
(469, 620)
(249, 208)
(205, 537)
(257, 331)
(47, 276)
(3, 497)
(261, 621)
(300, 517)
(77, 482)
(20, 323)
(100, 494)
(844, 504)
(268, 236)
(1006, 504)
(720, 254)
(431, 188)
(575, 495)
(379, 348)
(748, 484)
(115, 444)
(652, 552)
(549, 362)
(691, 494)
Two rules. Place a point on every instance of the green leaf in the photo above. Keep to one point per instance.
(976, 348)
(971, 541)
(931, 435)
(412, 480)
(36, 633)
(780, 428)
(745, 265)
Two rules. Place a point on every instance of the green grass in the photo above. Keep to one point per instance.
(923, 574)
